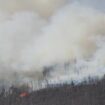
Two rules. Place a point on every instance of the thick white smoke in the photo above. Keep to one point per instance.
(66, 35)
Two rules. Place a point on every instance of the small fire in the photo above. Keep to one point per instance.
(24, 94)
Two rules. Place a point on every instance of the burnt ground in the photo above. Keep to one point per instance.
(86, 93)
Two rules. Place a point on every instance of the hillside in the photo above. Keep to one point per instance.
(86, 93)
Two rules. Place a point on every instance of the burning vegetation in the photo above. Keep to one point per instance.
(91, 92)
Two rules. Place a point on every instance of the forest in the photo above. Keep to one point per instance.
(90, 92)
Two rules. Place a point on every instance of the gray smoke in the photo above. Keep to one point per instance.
(57, 40)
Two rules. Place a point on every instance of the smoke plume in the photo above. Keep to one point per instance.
(60, 40)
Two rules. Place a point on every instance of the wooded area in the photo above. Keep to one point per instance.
(86, 93)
